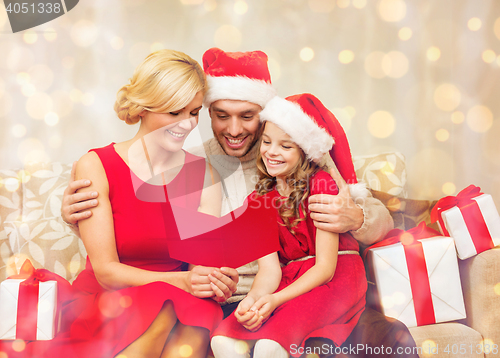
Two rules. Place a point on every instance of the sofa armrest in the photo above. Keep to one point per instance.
(481, 288)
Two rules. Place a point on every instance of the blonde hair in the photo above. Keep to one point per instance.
(298, 179)
(166, 81)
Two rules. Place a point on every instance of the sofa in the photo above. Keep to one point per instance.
(31, 228)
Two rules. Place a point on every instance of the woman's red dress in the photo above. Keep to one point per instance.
(330, 310)
(101, 323)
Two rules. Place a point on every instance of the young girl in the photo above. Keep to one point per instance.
(320, 289)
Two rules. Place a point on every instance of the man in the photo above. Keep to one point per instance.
(239, 86)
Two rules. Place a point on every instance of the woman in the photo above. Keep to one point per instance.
(133, 299)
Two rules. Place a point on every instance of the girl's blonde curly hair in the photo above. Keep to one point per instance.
(166, 81)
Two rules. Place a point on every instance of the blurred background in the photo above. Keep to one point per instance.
(414, 76)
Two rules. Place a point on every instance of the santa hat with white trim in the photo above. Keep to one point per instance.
(240, 76)
(316, 131)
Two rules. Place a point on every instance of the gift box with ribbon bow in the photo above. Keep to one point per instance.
(471, 219)
(29, 304)
(416, 277)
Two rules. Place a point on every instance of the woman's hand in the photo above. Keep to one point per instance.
(75, 206)
(204, 282)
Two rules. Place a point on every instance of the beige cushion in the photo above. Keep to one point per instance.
(481, 287)
(30, 223)
(383, 172)
(48, 243)
(447, 340)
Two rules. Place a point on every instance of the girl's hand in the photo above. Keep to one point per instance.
(242, 313)
(265, 306)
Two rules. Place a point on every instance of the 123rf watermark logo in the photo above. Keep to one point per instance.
(25, 14)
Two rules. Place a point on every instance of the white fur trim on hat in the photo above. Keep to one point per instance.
(301, 128)
(238, 88)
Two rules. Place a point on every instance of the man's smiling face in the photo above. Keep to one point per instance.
(235, 125)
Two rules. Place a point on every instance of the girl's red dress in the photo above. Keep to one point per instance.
(330, 310)
(101, 323)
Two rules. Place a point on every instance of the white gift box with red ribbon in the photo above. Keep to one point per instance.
(471, 219)
(420, 285)
(42, 315)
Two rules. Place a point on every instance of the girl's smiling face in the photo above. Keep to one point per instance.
(279, 153)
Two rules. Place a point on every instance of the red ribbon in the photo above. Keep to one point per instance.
(27, 304)
(462, 198)
(417, 268)
(471, 213)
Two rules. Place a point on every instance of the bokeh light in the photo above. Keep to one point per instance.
(125, 301)
(323, 6)
(449, 188)
(479, 119)
(210, 5)
(359, 4)
(346, 56)
(496, 28)
(18, 130)
(489, 56)
(392, 10)
(11, 184)
(51, 119)
(84, 33)
(38, 105)
(240, 7)
(23, 78)
(107, 304)
(381, 124)
(306, 54)
(474, 24)
(191, 2)
(31, 150)
(373, 64)
(442, 135)
(28, 90)
(18, 345)
(405, 33)
(241, 347)
(76, 95)
(30, 37)
(457, 117)
(429, 348)
(490, 145)
(228, 37)
(395, 64)
(116, 42)
(50, 35)
(344, 116)
(342, 4)
(447, 97)
(88, 99)
(433, 53)
(185, 351)
(496, 288)
(157, 46)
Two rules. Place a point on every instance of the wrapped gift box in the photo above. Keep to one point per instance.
(471, 219)
(421, 290)
(45, 311)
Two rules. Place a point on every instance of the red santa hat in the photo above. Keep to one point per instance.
(240, 76)
(316, 131)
